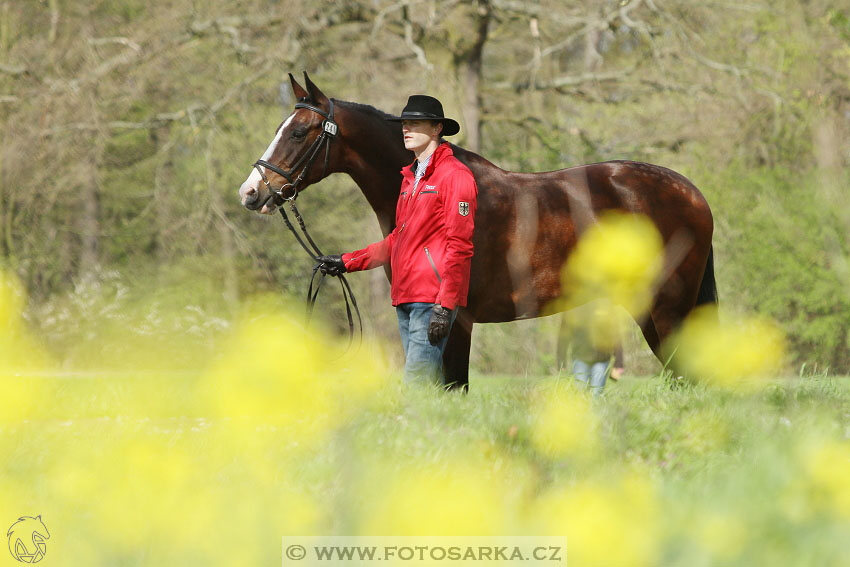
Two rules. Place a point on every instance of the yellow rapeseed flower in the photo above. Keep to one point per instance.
(722, 535)
(274, 369)
(617, 259)
(613, 523)
(143, 481)
(450, 498)
(12, 300)
(828, 472)
(21, 394)
(728, 353)
(564, 423)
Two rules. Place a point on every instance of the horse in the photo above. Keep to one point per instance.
(525, 226)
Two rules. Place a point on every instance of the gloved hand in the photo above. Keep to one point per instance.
(438, 326)
(331, 265)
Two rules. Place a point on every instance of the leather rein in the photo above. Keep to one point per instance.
(329, 131)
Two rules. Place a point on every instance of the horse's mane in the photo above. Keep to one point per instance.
(365, 108)
(469, 158)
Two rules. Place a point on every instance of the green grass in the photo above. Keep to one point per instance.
(694, 476)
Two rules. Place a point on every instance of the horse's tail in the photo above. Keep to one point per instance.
(708, 287)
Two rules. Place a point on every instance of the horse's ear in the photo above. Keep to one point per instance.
(317, 96)
(297, 89)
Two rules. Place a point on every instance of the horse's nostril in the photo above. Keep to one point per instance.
(251, 199)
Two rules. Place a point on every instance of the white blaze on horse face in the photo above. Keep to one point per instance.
(273, 145)
(254, 179)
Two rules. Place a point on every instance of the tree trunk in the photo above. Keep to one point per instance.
(88, 221)
(468, 65)
(230, 288)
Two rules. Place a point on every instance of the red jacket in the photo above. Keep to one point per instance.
(430, 249)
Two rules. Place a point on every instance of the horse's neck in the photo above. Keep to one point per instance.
(381, 191)
(376, 157)
(479, 166)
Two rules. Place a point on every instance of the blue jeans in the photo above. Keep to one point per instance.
(423, 362)
(593, 375)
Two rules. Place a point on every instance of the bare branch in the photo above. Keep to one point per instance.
(716, 65)
(235, 89)
(227, 26)
(382, 14)
(119, 40)
(54, 20)
(534, 28)
(189, 113)
(408, 39)
(624, 14)
(12, 69)
(532, 10)
(568, 80)
(588, 24)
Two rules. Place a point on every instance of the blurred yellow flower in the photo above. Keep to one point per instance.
(274, 369)
(615, 523)
(12, 300)
(722, 535)
(143, 483)
(827, 465)
(600, 322)
(450, 498)
(21, 394)
(728, 353)
(563, 421)
(617, 259)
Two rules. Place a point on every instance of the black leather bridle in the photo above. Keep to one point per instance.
(329, 131)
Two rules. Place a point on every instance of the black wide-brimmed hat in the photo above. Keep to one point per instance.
(424, 107)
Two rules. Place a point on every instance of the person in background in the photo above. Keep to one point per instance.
(592, 345)
(430, 249)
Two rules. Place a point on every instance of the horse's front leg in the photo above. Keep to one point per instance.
(456, 355)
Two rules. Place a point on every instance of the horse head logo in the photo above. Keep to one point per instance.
(27, 539)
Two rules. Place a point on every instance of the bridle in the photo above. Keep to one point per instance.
(329, 131)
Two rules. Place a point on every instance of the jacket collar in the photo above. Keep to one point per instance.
(443, 151)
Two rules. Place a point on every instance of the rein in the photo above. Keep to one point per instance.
(329, 131)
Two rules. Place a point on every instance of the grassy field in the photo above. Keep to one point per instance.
(137, 468)
(153, 443)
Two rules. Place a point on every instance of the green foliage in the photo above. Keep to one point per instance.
(128, 127)
(783, 258)
(123, 11)
(840, 20)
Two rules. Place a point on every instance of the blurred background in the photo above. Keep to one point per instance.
(128, 126)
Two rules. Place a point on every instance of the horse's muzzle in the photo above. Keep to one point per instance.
(251, 197)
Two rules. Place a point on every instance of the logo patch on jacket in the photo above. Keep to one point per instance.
(463, 208)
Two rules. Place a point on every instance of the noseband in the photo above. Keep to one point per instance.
(329, 132)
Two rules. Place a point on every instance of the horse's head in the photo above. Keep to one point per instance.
(298, 154)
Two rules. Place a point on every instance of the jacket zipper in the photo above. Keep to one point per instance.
(433, 265)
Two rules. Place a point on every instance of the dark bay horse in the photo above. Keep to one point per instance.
(526, 223)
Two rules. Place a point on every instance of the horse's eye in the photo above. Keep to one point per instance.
(298, 134)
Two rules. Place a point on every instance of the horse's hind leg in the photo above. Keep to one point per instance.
(456, 355)
(673, 304)
(647, 327)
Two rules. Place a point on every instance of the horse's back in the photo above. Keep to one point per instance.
(667, 197)
(527, 223)
(631, 185)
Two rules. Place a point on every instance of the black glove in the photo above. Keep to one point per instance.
(438, 326)
(331, 265)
